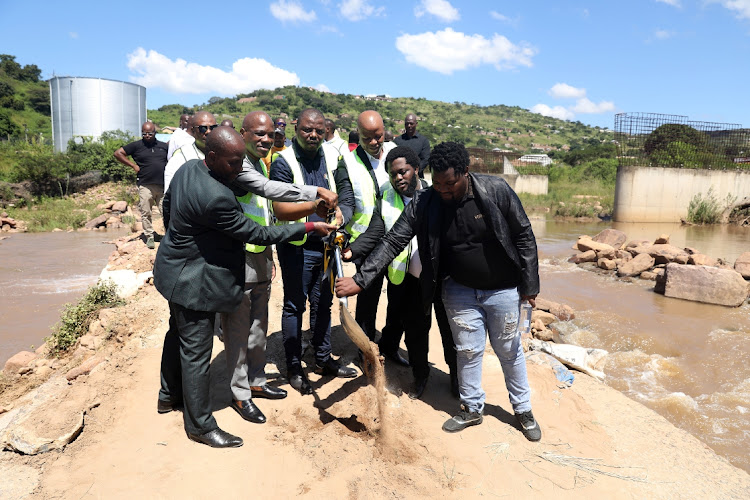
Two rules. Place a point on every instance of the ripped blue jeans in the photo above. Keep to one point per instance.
(473, 315)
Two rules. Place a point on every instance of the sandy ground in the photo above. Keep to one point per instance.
(596, 442)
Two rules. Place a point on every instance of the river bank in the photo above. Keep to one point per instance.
(596, 441)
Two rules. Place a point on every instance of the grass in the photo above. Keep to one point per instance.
(76, 318)
(47, 214)
(707, 209)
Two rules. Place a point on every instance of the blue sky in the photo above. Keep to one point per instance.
(579, 60)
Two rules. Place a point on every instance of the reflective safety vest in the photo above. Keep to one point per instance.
(256, 208)
(391, 209)
(365, 193)
(331, 158)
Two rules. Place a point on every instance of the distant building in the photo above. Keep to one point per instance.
(540, 159)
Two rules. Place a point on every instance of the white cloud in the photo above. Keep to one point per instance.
(291, 11)
(181, 77)
(584, 105)
(356, 10)
(441, 9)
(499, 17)
(740, 7)
(673, 3)
(73, 35)
(448, 51)
(555, 112)
(663, 34)
(322, 87)
(565, 91)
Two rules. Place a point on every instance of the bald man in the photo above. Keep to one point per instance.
(179, 137)
(333, 138)
(414, 141)
(367, 172)
(199, 270)
(244, 330)
(201, 124)
(150, 157)
(227, 123)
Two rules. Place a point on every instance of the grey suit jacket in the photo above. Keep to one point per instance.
(200, 261)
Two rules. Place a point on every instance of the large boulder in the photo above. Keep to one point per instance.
(639, 263)
(699, 259)
(18, 362)
(705, 284)
(606, 264)
(612, 237)
(742, 265)
(662, 253)
(97, 221)
(120, 206)
(589, 256)
(585, 243)
(662, 240)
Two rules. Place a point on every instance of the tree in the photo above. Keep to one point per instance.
(10, 66)
(30, 73)
(39, 100)
(7, 127)
(664, 135)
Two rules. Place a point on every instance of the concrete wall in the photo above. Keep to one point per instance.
(654, 194)
(531, 184)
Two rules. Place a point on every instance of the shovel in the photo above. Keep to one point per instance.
(372, 360)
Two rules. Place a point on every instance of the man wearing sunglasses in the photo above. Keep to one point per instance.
(199, 127)
(280, 124)
(150, 157)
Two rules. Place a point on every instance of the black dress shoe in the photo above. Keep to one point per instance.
(217, 438)
(167, 406)
(298, 380)
(248, 411)
(419, 386)
(268, 392)
(335, 369)
(396, 357)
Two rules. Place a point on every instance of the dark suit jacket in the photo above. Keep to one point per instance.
(200, 263)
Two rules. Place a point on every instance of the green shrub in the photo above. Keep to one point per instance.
(704, 210)
(76, 318)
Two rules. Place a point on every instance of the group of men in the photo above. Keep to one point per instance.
(463, 244)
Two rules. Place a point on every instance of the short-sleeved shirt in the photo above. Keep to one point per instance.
(151, 160)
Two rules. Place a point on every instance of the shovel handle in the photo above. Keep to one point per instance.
(339, 271)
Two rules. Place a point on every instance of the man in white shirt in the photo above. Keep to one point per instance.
(179, 137)
(201, 125)
(333, 138)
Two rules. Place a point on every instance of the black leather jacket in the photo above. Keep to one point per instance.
(423, 218)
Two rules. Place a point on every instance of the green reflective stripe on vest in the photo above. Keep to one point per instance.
(365, 196)
(391, 209)
(330, 155)
(256, 208)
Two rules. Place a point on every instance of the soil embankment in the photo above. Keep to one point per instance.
(596, 442)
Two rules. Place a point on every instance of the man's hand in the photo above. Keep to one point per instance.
(329, 198)
(321, 210)
(530, 298)
(346, 254)
(273, 271)
(339, 220)
(346, 287)
(323, 228)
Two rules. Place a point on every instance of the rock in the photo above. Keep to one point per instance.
(691, 250)
(42, 350)
(90, 342)
(114, 222)
(683, 258)
(544, 304)
(544, 334)
(705, 284)
(130, 247)
(19, 361)
(662, 240)
(611, 237)
(44, 371)
(57, 230)
(648, 275)
(606, 264)
(545, 317)
(661, 281)
(84, 369)
(590, 361)
(699, 259)
(623, 255)
(562, 312)
(589, 256)
(120, 206)
(98, 221)
(662, 253)
(127, 281)
(636, 243)
(585, 243)
(641, 262)
(19, 481)
(742, 265)
(105, 206)
(96, 329)
(607, 253)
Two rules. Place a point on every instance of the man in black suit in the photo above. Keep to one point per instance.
(199, 269)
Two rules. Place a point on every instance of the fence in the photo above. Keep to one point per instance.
(675, 141)
(502, 162)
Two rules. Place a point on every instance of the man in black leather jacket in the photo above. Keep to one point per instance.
(476, 241)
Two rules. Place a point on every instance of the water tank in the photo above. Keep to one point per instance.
(83, 106)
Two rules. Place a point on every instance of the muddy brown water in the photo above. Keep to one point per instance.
(39, 273)
(690, 362)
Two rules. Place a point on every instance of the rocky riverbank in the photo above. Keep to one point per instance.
(101, 401)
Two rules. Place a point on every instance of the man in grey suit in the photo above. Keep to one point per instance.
(199, 269)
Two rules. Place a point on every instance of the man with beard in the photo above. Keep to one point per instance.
(417, 142)
(244, 330)
(474, 236)
(309, 162)
(150, 157)
(405, 313)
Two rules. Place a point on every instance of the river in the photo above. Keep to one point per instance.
(690, 362)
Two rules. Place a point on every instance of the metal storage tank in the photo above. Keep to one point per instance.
(84, 106)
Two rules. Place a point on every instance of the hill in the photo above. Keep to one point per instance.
(498, 126)
(24, 101)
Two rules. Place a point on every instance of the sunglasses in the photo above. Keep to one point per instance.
(149, 133)
(203, 128)
(281, 124)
